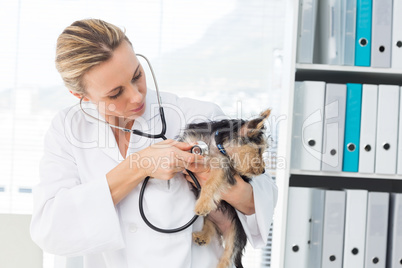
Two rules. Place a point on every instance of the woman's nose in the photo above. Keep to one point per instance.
(135, 95)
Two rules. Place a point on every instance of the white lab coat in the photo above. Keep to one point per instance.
(74, 214)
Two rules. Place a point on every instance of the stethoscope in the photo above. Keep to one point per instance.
(161, 135)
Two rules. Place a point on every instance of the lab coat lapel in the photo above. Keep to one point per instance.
(108, 144)
(101, 132)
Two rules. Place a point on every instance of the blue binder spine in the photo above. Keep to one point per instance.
(352, 128)
(363, 32)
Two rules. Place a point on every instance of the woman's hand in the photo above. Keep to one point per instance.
(161, 160)
(201, 170)
(164, 159)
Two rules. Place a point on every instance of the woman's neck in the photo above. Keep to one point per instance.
(119, 121)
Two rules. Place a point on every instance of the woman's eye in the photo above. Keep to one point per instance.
(133, 80)
(117, 95)
(138, 76)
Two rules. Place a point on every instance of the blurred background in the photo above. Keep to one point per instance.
(227, 51)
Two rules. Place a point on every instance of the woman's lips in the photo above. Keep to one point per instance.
(138, 109)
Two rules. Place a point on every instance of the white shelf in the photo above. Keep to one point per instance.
(347, 174)
(348, 74)
(341, 68)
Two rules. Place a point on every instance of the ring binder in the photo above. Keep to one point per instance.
(387, 129)
(363, 32)
(352, 127)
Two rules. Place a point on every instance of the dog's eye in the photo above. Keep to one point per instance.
(259, 151)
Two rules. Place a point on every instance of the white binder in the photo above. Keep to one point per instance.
(298, 227)
(355, 228)
(334, 224)
(395, 232)
(399, 153)
(317, 225)
(329, 35)
(349, 31)
(368, 127)
(377, 227)
(334, 127)
(307, 20)
(397, 35)
(307, 125)
(387, 129)
(381, 33)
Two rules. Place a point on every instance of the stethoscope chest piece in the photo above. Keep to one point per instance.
(201, 148)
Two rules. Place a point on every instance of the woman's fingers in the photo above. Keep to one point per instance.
(188, 158)
(184, 146)
(169, 143)
(198, 167)
(189, 164)
(166, 158)
(180, 150)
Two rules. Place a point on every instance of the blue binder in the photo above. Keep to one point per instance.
(363, 32)
(352, 128)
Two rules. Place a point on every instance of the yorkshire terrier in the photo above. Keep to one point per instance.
(235, 146)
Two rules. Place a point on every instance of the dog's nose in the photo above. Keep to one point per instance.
(263, 171)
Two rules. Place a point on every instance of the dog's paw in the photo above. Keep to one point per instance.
(201, 239)
(223, 263)
(204, 208)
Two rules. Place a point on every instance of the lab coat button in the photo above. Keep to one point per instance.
(132, 228)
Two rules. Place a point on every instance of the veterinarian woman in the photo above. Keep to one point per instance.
(91, 174)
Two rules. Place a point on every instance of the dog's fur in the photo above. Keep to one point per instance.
(244, 143)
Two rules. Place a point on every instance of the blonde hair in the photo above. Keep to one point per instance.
(83, 45)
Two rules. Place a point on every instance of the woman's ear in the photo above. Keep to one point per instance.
(79, 96)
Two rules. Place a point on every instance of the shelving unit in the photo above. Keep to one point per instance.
(349, 74)
(286, 177)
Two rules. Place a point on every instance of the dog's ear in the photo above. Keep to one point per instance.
(253, 127)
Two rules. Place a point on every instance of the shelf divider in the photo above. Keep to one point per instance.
(348, 74)
(336, 182)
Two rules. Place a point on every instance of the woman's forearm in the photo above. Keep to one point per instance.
(123, 179)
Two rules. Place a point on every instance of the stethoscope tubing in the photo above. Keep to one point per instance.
(166, 231)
